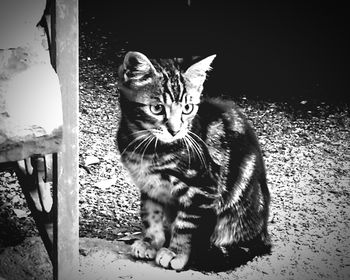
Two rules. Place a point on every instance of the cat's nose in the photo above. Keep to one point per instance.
(172, 128)
(173, 131)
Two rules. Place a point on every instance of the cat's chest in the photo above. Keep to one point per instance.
(147, 176)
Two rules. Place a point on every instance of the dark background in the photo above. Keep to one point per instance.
(278, 50)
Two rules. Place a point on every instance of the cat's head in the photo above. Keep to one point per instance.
(162, 99)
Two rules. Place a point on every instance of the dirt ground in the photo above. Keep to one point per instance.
(102, 259)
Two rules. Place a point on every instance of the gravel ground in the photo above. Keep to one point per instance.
(307, 157)
(306, 151)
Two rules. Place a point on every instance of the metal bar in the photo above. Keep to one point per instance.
(67, 231)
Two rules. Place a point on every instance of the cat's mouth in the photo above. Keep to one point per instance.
(168, 137)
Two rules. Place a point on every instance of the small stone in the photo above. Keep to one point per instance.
(89, 160)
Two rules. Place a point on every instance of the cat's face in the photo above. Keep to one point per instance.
(164, 100)
(170, 119)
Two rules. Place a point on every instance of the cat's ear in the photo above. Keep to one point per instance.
(197, 73)
(136, 68)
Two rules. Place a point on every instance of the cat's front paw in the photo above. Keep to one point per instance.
(143, 250)
(168, 259)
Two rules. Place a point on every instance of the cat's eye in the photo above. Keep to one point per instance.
(187, 109)
(157, 109)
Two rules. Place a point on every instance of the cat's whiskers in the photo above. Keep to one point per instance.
(143, 131)
(155, 146)
(188, 150)
(143, 135)
(147, 143)
(200, 139)
(200, 152)
(196, 148)
(140, 144)
(197, 137)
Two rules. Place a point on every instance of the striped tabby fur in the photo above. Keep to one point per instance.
(197, 163)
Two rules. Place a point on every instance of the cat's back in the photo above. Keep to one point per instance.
(225, 113)
(223, 126)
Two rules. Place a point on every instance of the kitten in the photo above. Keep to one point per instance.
(197, 163)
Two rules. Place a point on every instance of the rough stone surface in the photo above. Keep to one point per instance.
(30, 100)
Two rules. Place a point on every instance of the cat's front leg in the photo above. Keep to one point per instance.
(178, 254)
(153, 219)
(193, 204)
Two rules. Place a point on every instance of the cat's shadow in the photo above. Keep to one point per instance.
(216, 261)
